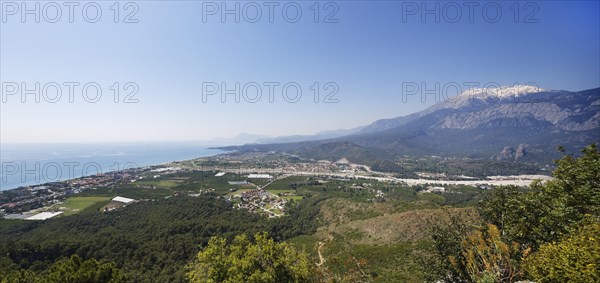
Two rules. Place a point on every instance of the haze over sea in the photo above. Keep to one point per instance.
(31, 164)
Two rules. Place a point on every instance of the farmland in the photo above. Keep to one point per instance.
(76, 205)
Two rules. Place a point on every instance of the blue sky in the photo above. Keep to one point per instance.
(373, 49)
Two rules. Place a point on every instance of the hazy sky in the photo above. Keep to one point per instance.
(361, 51)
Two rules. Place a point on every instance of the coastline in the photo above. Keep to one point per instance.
(60, 163)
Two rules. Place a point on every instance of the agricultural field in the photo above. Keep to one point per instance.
(294, 198)
(76, 205)
(166, 183)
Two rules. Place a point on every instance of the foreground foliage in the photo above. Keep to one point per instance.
(574, 259)
(71, 270)
(487, 258)
(544, 234)
(264, 260)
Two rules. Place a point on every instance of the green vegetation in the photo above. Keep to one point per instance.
(129, 192)
(293, 198)
(184, 228)
(545, 234)
(71, 270)
(574, 259)
(280, 191)
(289, 183)
(75, 205)
(394, 262)
(138, 238)
(244, 261)
(143, 236)
(454, 167)
(159, 183)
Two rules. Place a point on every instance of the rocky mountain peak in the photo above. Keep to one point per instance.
(501, 91)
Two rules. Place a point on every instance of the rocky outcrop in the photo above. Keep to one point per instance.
(510, 153)
(507, 153)
(521, 151)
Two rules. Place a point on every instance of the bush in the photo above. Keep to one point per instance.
(243, 261)
(574, 259)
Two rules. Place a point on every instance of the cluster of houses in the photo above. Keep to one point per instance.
(285, 164)
(23, 200)
(263, 202)
(28, 198)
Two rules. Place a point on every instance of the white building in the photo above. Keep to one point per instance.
(43, 215)
(260, 176)
(123, 200)
(435, 189)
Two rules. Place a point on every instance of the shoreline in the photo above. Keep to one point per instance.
(94, 163)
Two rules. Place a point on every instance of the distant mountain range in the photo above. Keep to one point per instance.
(245, 138)
(318, 136)
(508, 123)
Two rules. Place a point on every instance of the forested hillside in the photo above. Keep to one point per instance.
(149, 241)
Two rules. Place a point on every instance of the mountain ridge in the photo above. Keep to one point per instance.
(475, 127)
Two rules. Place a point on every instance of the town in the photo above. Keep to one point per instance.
(243, 179)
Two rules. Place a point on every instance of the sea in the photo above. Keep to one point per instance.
(32, 164)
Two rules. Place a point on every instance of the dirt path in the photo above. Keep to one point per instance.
(321, 259)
